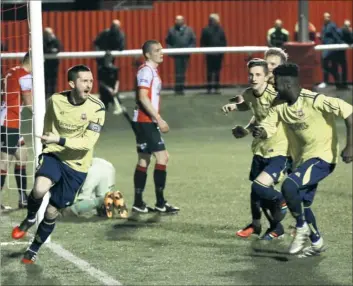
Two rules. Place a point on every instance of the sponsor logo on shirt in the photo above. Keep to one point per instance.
(143, 81)
(300, 113)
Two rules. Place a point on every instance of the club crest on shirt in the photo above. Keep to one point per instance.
(300, 113)
(83, 116)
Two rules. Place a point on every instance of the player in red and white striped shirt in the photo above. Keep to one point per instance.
(148, 125)
(17, 93)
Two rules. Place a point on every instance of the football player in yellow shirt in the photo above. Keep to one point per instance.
(72, 125)
(274, 57)
(270, 158)
(309, 121)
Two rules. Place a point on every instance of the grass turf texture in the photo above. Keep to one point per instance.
(208, 180)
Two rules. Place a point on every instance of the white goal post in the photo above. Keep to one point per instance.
(38, 91)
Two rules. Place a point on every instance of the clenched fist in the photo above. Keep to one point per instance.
(239, 132)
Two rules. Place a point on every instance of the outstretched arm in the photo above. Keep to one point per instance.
(237, 104)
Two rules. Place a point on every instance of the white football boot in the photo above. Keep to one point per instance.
(314, 249)
(301, 236)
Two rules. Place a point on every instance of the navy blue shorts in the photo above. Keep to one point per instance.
(66, 181)
(276, 167)
(308, 175)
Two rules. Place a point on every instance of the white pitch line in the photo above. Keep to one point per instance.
(97, 274)
(82, 264)
(14, 243)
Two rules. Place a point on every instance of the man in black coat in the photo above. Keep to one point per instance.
(347, 37)
(180, 36)
(108, 77)
(112, 39)
(213, 36)
(330, 34)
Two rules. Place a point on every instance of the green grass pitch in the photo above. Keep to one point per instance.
(208, 180)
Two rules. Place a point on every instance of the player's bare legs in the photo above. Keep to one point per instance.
(42, 185)
(140, 177)
(44, 230)
(21, 157)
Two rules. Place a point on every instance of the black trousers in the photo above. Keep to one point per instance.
(50, 84)
(50, 77)
(214, 65)
(330, 66)
(181, 64)
(105, 97)
(342, 62)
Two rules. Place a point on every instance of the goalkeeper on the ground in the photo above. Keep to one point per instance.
(98, 193)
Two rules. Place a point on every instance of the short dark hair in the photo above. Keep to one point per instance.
(288, 69)
(256, 62)
(146, 47)
(73, 71)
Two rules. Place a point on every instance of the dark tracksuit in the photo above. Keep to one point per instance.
(330, 59)
(51, 66)
(180, 37)
(108, 74)
(347, 37)
(213, 36)
(109, 40)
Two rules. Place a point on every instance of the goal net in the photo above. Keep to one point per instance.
(22, 100)
(17, 162)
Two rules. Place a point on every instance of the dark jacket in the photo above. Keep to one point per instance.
(347, 35)
(51, 45)
(276, 37)
(110, 40)
(181, 37)
(330, 34)
(213, 36)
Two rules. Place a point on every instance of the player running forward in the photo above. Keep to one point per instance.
(98, 192)
(270, 158)
(148, 125)
(309, 121)
(17, 93)
(72, 125)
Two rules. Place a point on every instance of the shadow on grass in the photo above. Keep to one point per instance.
(34, 274)
(272, 265)
(127, 229)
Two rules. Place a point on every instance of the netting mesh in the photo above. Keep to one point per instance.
(17, 152)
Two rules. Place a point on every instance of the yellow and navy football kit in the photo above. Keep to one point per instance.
(66, 164)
